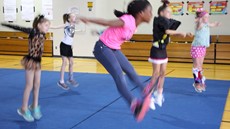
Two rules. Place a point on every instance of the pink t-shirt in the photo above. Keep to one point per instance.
(113, 37)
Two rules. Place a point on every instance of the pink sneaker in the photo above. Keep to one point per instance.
(148, 90)
(140, 108)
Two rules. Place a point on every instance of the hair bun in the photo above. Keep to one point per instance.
(165, 2)
(41, 16)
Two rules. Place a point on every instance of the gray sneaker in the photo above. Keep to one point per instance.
(62, 85)
(73, 83)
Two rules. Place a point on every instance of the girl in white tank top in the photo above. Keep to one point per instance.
(66, 50)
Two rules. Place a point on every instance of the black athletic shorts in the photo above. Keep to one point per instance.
(66, 50)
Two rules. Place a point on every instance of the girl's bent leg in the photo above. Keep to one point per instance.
(129, 70)
(109, 60)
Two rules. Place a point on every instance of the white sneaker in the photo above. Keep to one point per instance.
(203, 80)
(159, 98)
(152, 104)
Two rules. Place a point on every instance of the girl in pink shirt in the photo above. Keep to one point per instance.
(107, 51)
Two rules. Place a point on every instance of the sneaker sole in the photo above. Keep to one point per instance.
(197, 90)
(63, 87)
(37, 118)
(30, 108)
(152, 106)
(20, 114)
(145, 108)
(160, 103)
(73, 85)
(203, 87)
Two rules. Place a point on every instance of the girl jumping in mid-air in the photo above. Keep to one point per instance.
(66, 50)
(32, 65)
(163, 27)
(198, 50)
(107, 51)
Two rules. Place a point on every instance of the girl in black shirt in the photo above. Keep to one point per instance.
(163, 27)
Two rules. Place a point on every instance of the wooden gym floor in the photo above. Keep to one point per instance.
(181, 70)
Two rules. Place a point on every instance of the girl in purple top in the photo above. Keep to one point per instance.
(107, 51)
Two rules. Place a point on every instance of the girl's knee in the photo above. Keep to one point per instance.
(162, 74)
(36, 85)
(64, 62)
(156, 74)
(71, 63)
(28, 87)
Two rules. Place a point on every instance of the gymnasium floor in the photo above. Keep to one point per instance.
(217, 74)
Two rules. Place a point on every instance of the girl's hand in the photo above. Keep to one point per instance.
(217, 24)
(189, 34)
(183, 34)
(84, 19)
(214, 24)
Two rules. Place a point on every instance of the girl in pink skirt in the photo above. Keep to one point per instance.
(198, 50)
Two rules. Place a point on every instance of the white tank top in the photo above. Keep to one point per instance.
(69, 32)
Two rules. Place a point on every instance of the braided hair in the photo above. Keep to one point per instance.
(163, 7)
(134, 7)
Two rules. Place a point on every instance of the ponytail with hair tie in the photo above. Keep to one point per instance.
(39, 19)
(66, 17)
(119, 13)
(163, 7)
(165, 2)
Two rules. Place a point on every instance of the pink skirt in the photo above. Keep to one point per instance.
(198, 51)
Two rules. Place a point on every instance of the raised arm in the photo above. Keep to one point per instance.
(103, 22)
(19, 28)
(174, 32)
(214, 24)
(78, 30)
(58, 27)
(174, 24)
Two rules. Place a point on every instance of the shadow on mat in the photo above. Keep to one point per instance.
(185, 124)
(26, 125)
(67, 93)
(22, 124)
(205, 94)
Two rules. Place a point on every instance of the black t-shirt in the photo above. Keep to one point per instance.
(160, 25)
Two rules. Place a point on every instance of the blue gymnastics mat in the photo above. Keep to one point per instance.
(96, 104)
